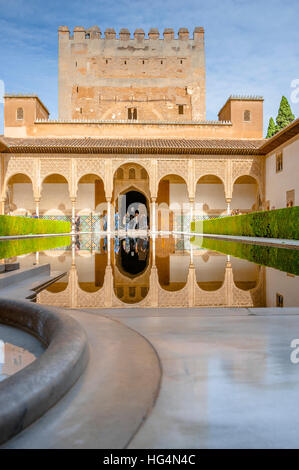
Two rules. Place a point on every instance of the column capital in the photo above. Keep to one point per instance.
(153, 199)
(228, 200)
(108, 199)
(191, 200)
(73, 200)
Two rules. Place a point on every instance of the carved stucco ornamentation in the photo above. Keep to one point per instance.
(60, 166)
(252, 167)
(173, 167)
(211, 167)
(25, 166)
(94, 166)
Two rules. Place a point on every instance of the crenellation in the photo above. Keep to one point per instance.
(168, 34)
(124, 34)
(79, 33)
(184, 34)
(110, 33)
(139, 34)
(154, 34)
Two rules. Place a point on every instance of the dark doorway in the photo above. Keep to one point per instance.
(131, 202)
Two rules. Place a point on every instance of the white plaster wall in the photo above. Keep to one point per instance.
(278, 282)
(178, 193)
(244, 196)
(211, 194)
(85, 197)
(54, 195)
(179, 267)
(23, 196)
(277, 184)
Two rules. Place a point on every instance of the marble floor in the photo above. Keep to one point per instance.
(228, 380)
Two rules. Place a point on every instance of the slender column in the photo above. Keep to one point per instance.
(37, 257)
(109, 215)
(228, 201)
(3, 206)
(191, 211)
(153, 221)
(73, 213)
(37, 201)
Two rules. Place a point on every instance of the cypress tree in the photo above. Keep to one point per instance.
(285, 115)
(271, 128)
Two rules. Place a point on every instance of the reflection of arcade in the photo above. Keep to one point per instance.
(131, 282)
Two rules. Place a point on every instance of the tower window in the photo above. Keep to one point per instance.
(247, 115)
(143, 62)
(132, 113)
(181, 109)
(87, 36)
(161, 62)
(279, 162)
(20, 114)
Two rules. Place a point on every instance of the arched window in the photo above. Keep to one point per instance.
(247, 115)
(131, 174)
(20, 114)
(120, 174)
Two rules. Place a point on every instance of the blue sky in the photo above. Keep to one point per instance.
(252, 47)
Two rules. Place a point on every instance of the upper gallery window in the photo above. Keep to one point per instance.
(279, 162)
(181, 109)
(20, 114)
(132, 113)
(247, 115)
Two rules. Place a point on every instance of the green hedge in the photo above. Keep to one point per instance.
(11, 248)
(279, 223)
(279, 258)
(12, 225)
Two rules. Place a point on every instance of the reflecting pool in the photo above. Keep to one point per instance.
(166, 271)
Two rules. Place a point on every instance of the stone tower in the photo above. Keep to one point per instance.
(124, 78)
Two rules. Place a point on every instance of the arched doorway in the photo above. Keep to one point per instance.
(173, 203)
(91, 203)
(210, 197)
(131, 196)
(55, 199)
(246, 196)
(19, 195)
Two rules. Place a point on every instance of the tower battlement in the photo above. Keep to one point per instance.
(131, 76)
(94, 32)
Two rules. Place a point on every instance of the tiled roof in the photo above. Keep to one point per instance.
(144, 146)
(281, 137)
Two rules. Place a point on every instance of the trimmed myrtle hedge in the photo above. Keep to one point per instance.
(11, 248)
(279, 223)
(279, 258)
(14, 225)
